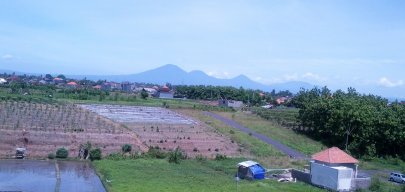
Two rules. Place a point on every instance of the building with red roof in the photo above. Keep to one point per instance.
(72, 84)
(165, 89)
(335, 157)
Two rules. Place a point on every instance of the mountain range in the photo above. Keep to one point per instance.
(175, 75)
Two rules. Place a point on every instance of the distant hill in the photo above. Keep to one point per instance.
(175, 75)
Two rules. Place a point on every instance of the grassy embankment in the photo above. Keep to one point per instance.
(190, 175)
(271, 129)
(194, 175)
(377, 167)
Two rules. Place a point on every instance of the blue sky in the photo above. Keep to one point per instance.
(336, 43)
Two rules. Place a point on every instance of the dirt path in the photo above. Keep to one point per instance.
(279, 146)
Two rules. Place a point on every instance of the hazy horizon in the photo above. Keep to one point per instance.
(339, 44)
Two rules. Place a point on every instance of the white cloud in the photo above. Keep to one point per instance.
(7, 56)
(314, 77)
(300, 77)
(385, 82)
(220, 74)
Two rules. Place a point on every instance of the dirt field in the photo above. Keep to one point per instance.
(43, 128)
(167, 129)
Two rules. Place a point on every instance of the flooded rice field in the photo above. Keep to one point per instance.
(139, 114)
(58, 176)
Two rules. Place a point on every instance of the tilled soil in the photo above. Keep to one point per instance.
(43, 128)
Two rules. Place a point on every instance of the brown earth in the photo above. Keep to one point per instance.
(168, 129)
(43, 128)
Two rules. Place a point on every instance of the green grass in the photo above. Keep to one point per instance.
(189, 175)
(395, 164)
(284, 135)
(257, 149)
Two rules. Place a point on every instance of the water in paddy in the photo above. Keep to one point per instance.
(60, 176)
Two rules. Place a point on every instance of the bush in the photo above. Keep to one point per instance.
(220, 157)
(51, 156)
(376, 184)
(156, 152)
(176, 156)
(200, 157)
(126, 148)
(62, 153)
(95, 154)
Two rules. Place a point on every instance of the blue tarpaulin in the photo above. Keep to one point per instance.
(251, 170)
(257, 171)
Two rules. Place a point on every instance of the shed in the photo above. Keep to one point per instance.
(334, 178)
(2, 81)
(334, 157)
(250, 170)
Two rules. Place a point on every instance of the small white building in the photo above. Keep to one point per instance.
(230, 103)
(334, 178)
(2, 81)
(333, 169)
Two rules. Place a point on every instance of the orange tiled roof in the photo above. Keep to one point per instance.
(334, 155)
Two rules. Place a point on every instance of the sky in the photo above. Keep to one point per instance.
(339, 44)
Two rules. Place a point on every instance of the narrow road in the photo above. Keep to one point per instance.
(279, 146)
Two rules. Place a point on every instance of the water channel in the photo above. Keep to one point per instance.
(52, 176)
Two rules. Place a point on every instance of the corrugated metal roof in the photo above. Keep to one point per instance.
(247, 163)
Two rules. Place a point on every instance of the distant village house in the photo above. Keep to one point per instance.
(230, 103)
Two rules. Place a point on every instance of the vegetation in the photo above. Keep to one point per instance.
(127, 148)
(51, 156)
(367, 125)
(248, 96)
(190, 175)
(95, 154)
(62, 153)
(144, 94)
(273, 130)
(156, 152)
(176, 156)
(286, 117)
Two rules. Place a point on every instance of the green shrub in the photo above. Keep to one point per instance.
(176, 156)
(155, 152)
(126, 148)
(220, 157)
(200, 157)
(51, 156)
(376, 184)
(95, 154)
(62, 153)
(115, 156)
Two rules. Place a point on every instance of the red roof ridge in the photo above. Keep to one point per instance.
(334, 155)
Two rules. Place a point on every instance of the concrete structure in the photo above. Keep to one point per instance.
(334, 157)
(334, 178)
(127, 87)
(230, 103)
(165, 93)
(2, 81)
(333, 169)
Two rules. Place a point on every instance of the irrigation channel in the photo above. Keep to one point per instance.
(52, 176)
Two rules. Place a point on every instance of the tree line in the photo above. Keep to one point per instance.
(247, 96)
(366, 125)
